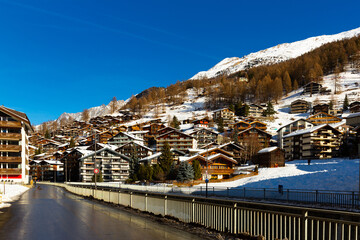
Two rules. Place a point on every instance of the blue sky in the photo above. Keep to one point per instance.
(69, 55)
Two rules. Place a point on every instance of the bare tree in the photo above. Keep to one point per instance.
(251, 146)
(113, 105)
(85, 116)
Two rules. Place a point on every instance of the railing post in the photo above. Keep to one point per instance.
(193, 210)
(304, 230)
(234, 219)
(264, 193)
(165, 205)
(131, 199)
(146, 202)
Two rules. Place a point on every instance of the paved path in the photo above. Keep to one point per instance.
(52, 213)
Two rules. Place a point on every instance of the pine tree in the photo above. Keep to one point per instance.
(220, 124)
(175, 123)
(269, 110)
(133, 164)
(197, 169)
(158, 173)
(346, 103)
(173, 171)
(185, 172)
(244, 111)
(99, 177)
(166, 159)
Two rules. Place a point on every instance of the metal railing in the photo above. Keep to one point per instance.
(273, 221)
(320, 198)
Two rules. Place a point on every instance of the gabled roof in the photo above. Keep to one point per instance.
(105, 149)
(149, 158)
(17, 115)
(301, 119)
(309, 130)
(210, 158)
(254, 128)
(300, 100)
(176, 132)
(143, 146)
(129, 135)
(266, 150)
(329, 115)
(232, 144)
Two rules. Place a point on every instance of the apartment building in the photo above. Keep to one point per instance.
(113, 166)
(14, 150)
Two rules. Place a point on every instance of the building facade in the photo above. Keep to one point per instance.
(14, 145)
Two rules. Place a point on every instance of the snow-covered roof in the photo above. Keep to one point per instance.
(266, 150)
(305, 131)
(353, 115)
(149, 158)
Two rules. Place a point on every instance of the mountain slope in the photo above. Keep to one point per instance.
(93, 112)
(279, 53)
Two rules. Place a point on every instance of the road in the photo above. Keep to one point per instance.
(48, 212)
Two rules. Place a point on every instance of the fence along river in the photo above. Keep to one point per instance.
(273, 221)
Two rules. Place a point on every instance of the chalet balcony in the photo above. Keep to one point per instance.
(10, 136)
(10, 148)
(10, 171)
(10, 159)
(10, 124)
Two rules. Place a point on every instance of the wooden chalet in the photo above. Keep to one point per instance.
(354, 107)
(270, 157)
(123, 138)
(216, 165)
(312, 88)
(353, 119)
(254, 135)
(321, 108)
(130, 148)
(235, 149)
(165, 130)
(259, 125)
(205, 136)
(201, 123)
(241, 125)
(318, 142)
(292, 127)
(323, 118)
(153, 128)
(299, 106)
(255, 110)
(176, 140)
(225, 114)
(102, 137)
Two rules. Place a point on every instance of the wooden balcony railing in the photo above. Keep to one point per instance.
(10, 171)
(10, 124)
(10, 148)
(10, 159)
(10, 136)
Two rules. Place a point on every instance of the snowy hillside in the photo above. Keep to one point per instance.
(349, 84)
(93, 112)
(279, 53)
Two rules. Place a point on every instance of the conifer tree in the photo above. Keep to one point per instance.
(197, 170)
(185, 172)
(269, 110)
(158, 173)
(133, 164)
(220, 124)
(166, 159)
(99, 177)
(175, 123)
(346, 103)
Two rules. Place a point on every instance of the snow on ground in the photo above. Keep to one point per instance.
(349, 84)
(333, 174)
(12, 193)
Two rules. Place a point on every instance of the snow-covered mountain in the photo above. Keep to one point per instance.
(93, 112)
(279, 53)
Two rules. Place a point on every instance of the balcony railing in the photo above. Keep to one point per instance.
(10, 148)
(10, 171)
(10, 159)
(10, 136)
(10, 124)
